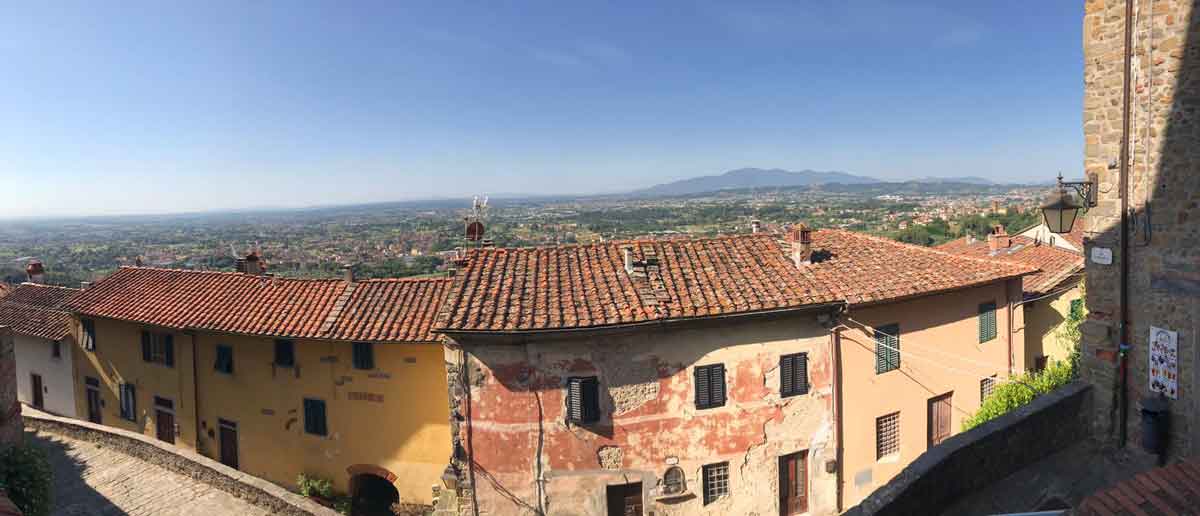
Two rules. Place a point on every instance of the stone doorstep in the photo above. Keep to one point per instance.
(195, 463)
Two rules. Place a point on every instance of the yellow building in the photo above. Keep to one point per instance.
(337, 379)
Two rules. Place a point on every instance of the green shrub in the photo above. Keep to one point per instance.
(1021, 390)
(26, 476)
(313, 486)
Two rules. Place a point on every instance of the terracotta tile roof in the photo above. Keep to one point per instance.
(1055, 264)
(264, 305)
(35, 294)
(1172, 489)
(35, 310)
(580, 286)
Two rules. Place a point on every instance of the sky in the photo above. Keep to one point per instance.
(156, 107)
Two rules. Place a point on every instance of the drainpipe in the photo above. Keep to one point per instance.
(1123, 323)
(835, 343)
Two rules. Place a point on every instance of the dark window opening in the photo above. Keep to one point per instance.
(224, 363)
(364, 355)
(89, 334)
(583, 400)
(314, 417)
(128, 402)
(158, 348)
(710, 386)
(793, 374)
(285, 353)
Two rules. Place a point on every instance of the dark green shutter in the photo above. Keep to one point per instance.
(575, 399)
(145, 346)
(590, 400)
(786, 375)
(169, 350)
(718, 383)
(801, 373)
(314, 417)
(702, 387)
(887, 348)
(987, 322)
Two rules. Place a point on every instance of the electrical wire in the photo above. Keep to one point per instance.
(989, 367)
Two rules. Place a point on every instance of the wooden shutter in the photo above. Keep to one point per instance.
(787, 366)
(887, 348)
(169, 350)
(575, 399)
(702, 387)
(718, 384)
(590, 399)
(987, 322)
(146, 354)
(801, 373)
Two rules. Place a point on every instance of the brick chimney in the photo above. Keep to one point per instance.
(252, 264)
(755, 226)
(35, 272)
(999, 239)
(348, 273)
(799, 239)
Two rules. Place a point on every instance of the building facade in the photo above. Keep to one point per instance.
(1140, 148)
(43, 346)
(275, 377)
(710, 376)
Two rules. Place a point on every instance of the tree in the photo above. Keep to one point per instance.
(915, 235)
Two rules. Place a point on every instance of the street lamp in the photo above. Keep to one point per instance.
(1062, 208)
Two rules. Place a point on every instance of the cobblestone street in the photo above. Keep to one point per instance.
(93, 480)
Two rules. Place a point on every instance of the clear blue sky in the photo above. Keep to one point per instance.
(119, 107)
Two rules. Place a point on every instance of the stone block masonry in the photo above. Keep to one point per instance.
(1164, 283)
(10, 409)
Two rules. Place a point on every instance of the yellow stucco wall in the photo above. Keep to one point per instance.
(403, 426)
(1043, 318)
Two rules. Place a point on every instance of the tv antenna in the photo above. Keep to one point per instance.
(475, 230)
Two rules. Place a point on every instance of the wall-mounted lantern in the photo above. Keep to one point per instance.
(1062, 207)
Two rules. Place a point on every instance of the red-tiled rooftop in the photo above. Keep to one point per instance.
(372, 310)
(1054, 264)
(35, 310)
(1168, 490)
(580, 286)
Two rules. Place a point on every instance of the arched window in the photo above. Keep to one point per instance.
(673, 481)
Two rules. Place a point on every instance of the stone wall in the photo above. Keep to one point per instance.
(985, 454)
(252, 489)
(1164, 284)
(10, 409)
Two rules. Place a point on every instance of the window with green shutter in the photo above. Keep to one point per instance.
(793, 374)
(364, 355)
(887, 348)
(987, 322)
(314, 417)
(583, 400)
(710, 386)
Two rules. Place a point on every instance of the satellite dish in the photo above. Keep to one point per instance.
(475, 231)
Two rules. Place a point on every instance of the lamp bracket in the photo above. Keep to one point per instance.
(1085, 189)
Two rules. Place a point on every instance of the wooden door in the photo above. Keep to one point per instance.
(939, 419)
(793, 484)
(39, 402)
(229, 446)
(165, 423)
(625, 500)
(93, 405)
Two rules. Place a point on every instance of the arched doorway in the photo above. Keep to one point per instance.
(372, 495)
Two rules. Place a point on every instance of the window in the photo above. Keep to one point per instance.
(887, 435)
(1076, 308)
(716, 481)
(89, 334)
(674, 481)
(56, 349)
(583, 400)
(364, 355)
(128, 402)
(224, 363)
(158, 348)
(987, 322)
(887, 348)
(710, 386)
(314, 417)
(165, 403)
(986, 386)
(285, 353)
(793, 374)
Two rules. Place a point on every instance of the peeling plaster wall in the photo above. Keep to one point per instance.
(649, 420)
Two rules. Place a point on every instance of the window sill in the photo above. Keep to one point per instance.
(676, 497)
(890, 459)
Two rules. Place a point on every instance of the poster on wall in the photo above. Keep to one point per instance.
(1164, 362)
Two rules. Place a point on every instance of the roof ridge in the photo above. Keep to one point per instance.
(43, 285)
(932, 250)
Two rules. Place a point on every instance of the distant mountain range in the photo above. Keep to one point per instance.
(753, 178)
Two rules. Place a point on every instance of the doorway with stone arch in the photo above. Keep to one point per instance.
(372, 490)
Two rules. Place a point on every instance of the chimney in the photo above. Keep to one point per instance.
(35, 272)
(83, 285)
(348, 271)
(999, 238)
(799, 239)
(755, 226)
(628, 253)
(252, 264)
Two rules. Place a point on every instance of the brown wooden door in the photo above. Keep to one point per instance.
(939, 419)
(93, 405)
(165, 423)
(625, 500)
(793, 484)
(229, 446)
(38, 401)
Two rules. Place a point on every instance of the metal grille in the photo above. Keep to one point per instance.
(887, 435)
(673, 481)
(716, 481)
(986, 386)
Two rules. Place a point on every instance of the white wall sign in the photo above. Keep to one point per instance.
(1102, 255)
(1164, 362)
